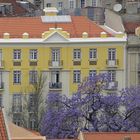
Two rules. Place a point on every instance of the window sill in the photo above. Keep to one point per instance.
(17, 60)
(93, 59)
(33, 60)
(76, 59)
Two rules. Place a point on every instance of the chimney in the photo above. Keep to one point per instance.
(127, 138)
(50, 11)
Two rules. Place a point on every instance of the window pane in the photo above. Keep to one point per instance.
(92, 53)
(17, 54)
(17, 77)
(33, 54)
(77, 54)
(111, 54)
(77, 76)
(33, 77)
(17, 103)
(92, 73)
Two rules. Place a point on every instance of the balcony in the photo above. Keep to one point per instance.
(55, 86)
(55, 64)
(17, 108)
(1, 86)
(1, 64)
(112, 85)
(112, 63)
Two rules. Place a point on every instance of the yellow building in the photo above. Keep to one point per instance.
(65, 49)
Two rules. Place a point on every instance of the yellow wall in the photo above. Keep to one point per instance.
(44, 54)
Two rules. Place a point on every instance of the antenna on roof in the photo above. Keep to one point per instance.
(117, 7)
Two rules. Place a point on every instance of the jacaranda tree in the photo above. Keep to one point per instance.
(92, 108)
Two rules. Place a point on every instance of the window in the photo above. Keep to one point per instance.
(92, 73)
(32, 102)
(17, 119)
(94, 3)
(32, 121)
(0, 100)
(76, 76)
(60, 4)
(82, 3)
(33, 54)
(71, 2)
(112, 75)
(17, 103)
(17, 54)
(17, 77)
(111, 54)
(55, 54)
(33, 77)
(77, 54)
(48, 5)
(92, 53)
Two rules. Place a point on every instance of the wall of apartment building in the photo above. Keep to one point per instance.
(133, 58)
(114, 21)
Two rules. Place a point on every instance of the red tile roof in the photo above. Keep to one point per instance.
(17, 9)
(131, 26)
(3, 131)
(110, 135)
(35, 27)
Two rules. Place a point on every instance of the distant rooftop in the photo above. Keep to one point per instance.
(16, 8)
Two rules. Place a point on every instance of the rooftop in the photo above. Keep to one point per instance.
(3, 131)
(110, 135)
(131, 26)
(16, 26)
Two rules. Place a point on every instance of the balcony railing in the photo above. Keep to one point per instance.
(53, 85)
(55, 64)
(1, 64)
(112, 63)
(112, 85)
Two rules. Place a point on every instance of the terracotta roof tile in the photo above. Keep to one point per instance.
(110, 135)
(3, 131)
(16, 26)
(131, 26)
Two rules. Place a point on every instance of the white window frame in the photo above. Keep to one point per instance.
(77, 54)
(16, 54)
(48, 4)
(76, 76)
(17, 102)
(33, 76)
(60, 4)
(71, 4)
(17, 77)
(94, 3)
(112, 75)
(93, 53)
(92, 73)
(112, 54)
(83, 3)
(33, 54)
(55, 54)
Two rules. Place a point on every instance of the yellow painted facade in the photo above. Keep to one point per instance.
(66, 55)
